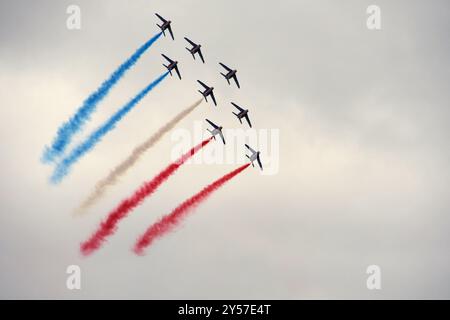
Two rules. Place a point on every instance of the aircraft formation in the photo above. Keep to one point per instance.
(208, 91)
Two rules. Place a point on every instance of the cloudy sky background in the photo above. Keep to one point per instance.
(363, 152)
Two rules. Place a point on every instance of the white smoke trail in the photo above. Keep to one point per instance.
(123, 167)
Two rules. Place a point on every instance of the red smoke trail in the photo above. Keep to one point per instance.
(109, 226)
(168, 222)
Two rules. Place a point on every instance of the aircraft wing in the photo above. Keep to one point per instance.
(248, 147)
(204, 85)
(239, 108)
(237, 82)
(224, 66)
(259, 162)
(214, 99)
(221, 135)
(167, 58)
(248, 120)
(211, 123)
(200, 54)
(171, 33)
(178, 72)
(192, 43)
(161, 18)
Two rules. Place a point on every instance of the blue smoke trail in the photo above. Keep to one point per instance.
(82, 115)
(62, 169)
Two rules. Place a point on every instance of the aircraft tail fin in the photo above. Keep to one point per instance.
(253, 165)
(163, 31)
(170, 71)
(210, 131)
(203, 95)
(235, 114)
(224, 75)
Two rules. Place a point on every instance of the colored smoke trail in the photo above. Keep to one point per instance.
(62, 169)
(82, 115)
(109, 226)
(170, 221)
(123, 167)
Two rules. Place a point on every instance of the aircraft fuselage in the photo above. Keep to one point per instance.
(207, 92)
(195, 49)
(242, 114)
(230, 74)
(216, 131)
(254, 156)
(165, 25)
(172, 65)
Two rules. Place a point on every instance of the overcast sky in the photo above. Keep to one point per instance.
(363, 155)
